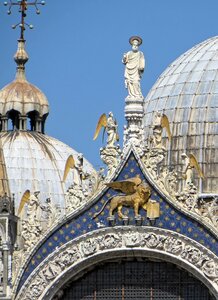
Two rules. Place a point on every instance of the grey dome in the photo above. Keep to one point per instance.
(36, 162)
(187, 92)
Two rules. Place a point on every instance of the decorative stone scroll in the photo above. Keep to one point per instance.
(110, 155)
(169, 245)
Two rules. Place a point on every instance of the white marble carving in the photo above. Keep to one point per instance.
(134, 67)
(170, 244)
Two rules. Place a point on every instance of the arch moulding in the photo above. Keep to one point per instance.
(77, 256)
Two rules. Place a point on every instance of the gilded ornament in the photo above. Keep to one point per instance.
(136, 195)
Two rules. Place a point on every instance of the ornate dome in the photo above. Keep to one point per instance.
(36, 162)
(24, 97)
(31, 160)
(20, 99)
(187, 92)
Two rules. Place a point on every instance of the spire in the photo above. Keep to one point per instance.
(21, 56)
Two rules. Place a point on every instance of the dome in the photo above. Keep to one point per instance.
(36, 162)
(20, 99)
(187, 92)
(24, 97)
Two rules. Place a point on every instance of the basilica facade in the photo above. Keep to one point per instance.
(143, 227)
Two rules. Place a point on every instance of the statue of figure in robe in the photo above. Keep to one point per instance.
(135, 64)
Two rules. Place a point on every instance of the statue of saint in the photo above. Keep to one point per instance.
(135, 64)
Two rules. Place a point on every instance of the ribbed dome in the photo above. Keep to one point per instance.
(36, 162)
(20, 99)
(187, 92)
(24, 97)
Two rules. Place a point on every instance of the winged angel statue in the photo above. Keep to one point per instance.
(110, 125)
(190, 163)
(159, 123)
(134, 194)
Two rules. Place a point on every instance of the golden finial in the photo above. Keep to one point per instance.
(23, 7)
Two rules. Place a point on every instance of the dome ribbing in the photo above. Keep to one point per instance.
(187, 92)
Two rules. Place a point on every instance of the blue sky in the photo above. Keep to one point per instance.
(76, 49)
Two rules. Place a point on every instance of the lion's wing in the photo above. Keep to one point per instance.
(125, 186)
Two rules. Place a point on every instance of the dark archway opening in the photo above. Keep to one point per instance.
(33, 115)
(128, 280)
(13, 115)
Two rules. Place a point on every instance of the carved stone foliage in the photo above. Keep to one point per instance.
(110, 155)
(152, 159)
(173, 245)
(154, 154)
(74, 198)
(37, 220)
(209, 210)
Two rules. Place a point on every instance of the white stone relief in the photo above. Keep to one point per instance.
(111, 157)
(165, 242)
(89, 247)
(110, 241)
(74, 197)
(132, 239)
(31, 226)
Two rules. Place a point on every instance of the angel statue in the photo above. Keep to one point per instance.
(159, 123)
(77, 168)
(135, 64)
(33, 206)
(110, 125)
(134, 194)
(190, 163)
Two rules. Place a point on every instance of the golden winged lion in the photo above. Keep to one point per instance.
(135, 195)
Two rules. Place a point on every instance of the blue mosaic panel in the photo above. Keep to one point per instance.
(170, 218)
